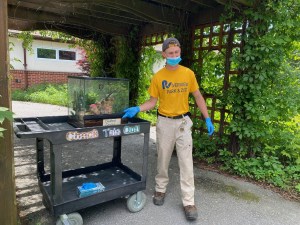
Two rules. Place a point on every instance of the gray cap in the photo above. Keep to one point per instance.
(170, 42)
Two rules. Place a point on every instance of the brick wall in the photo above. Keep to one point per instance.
(22, 78)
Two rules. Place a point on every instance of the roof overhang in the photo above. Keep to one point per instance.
(85, 18)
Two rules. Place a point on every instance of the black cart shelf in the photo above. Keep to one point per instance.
(59, 188)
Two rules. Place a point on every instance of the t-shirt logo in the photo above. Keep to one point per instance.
(165, 84)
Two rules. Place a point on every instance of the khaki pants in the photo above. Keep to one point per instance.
(169, 132)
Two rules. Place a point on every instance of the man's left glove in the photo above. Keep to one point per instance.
(210, 126)
(131, 112)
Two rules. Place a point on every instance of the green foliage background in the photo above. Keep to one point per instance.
(264, 101)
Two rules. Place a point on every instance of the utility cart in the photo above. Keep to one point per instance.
(94, 113)
(59, 188)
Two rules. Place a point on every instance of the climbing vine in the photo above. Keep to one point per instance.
(127, 62)
(149, 57)
(27, 39)
(93, 55)
(265, 99)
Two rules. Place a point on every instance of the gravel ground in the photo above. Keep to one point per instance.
(221, 200)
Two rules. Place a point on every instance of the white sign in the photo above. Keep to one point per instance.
(111, 122)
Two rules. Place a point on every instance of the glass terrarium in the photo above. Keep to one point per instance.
(95, 101)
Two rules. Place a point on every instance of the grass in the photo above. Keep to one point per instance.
(54, 94)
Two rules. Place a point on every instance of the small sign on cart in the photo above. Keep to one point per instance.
(110, 122)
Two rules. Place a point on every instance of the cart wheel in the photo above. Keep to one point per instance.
(136, 202)
(70, 219)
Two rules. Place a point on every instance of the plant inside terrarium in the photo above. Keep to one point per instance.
(78, 103)
(97, 97)
(104, 106)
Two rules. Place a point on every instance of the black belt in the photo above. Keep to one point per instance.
(175, 117)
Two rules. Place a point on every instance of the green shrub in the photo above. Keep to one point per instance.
(264, 102)
(55, 94)
(264, 168)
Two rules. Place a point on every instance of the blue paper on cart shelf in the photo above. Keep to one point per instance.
(87, 189)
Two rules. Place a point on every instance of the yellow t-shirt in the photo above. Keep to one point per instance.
(172, 89)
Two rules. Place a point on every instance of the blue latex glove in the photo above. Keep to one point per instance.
(131, 112)
(210, 126)
(87, 186)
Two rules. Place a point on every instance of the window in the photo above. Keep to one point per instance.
(67, 55)
(44, 53)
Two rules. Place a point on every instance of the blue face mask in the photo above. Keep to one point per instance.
(173, 61)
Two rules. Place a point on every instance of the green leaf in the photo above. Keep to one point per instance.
(5, 114)
(1, 132)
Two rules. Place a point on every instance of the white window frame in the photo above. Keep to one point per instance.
(56, 54)
(69, 60)
(36, 54)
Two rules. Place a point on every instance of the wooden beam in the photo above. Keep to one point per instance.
(237, 4)
(8, 208)
(15, 24)
(208, 16)
(245, 2)
(79, 10)
(23, 25)
(153, 12)
(206, 3)
(51, 19)
(139, 8)
(30, 17)
(151, 29)
(80, 32)
(99, 11)
(182, 5)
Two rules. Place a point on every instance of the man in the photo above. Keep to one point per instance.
(171, 87)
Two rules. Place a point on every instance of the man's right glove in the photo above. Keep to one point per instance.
(131, 112)
(210, 126)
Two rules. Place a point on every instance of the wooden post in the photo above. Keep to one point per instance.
(8, 208)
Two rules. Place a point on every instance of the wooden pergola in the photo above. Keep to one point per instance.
(115, 17)
(90, 18)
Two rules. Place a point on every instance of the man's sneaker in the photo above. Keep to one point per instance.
(159, 198)
(190, 212)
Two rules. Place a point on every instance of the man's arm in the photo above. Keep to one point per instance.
(203, 108)
(200, 103)
(150, 104)
(132, 111)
